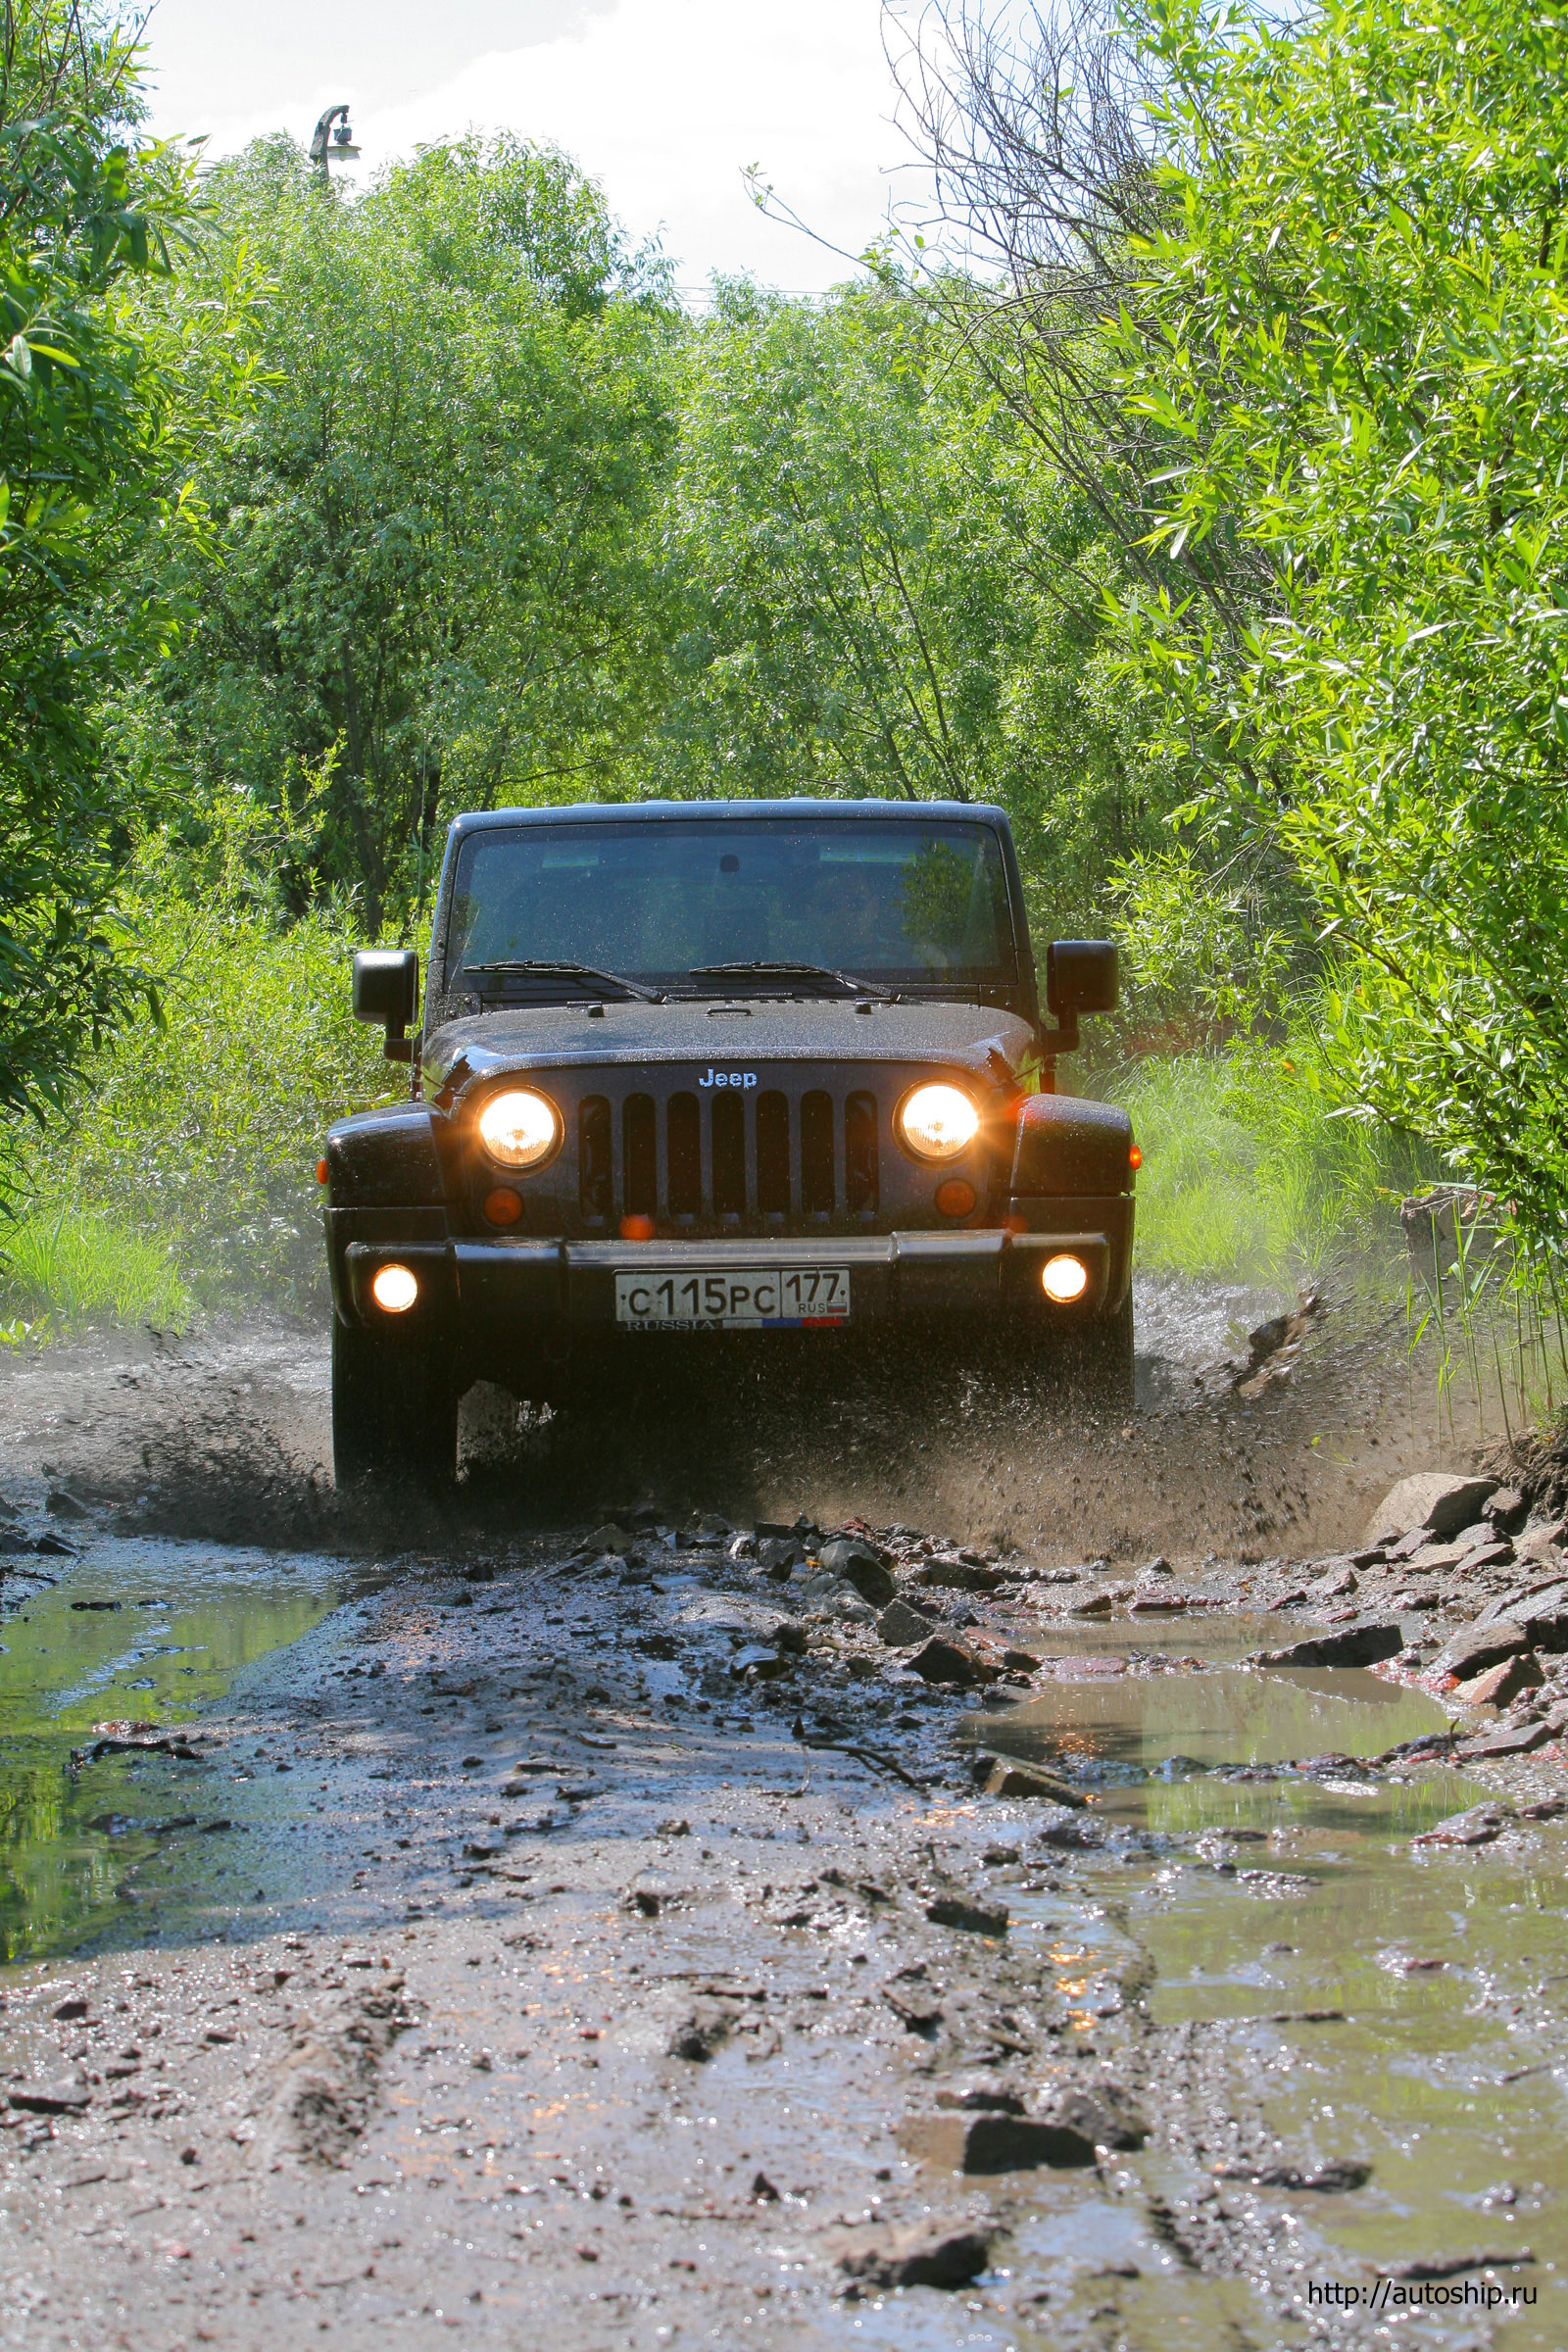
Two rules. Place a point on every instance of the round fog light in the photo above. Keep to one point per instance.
(1065, 1279)
(395, 1289)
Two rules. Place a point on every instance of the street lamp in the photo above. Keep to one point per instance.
(326, 142)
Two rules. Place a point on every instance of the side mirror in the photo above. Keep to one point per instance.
(386, 989)
(1080, 977)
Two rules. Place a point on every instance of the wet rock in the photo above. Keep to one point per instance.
(789, 1639)
(959, 1576)
(1096, 1605)
(608, 1537)
(1070, 1831)
(857, 1563)
(763, 2191)
(762, 1664)
(1434, 1559)
(1495, 1552)
(778, 1556)
(1477, 1825)
(74, 2006)
(934, 2255)
(963, 1911)
(1440, 1500)
(1336, 1580)
(1547, 1543)
(1360, 1645)
(61, 1504)
(1329, 2180)
(1008, 1777)
(1506, 1508)
(916, 2012)
(1101, 2112)
(1477, 1647)
(67, 2097)
(1502, 1681)
(953, 1663)
(984, 2098)
(1019, 2143)
(704, 2029)
(1517, 1740)
(902, 1625)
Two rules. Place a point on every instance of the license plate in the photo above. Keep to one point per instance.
(733, 1299)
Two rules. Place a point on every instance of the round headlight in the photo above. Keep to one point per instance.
(939, 1121)
(394, 1290)
(519, 1129)
(1065, 1279)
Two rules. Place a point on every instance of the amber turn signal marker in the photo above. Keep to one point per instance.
(955, 1199)
(320, 1171)
(1135, 1157)
(636, 1229)
(503, 1208)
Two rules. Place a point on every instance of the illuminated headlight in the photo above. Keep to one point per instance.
(939, 1121)
(1065, 1279)
(519, 1129)
(394, 1290)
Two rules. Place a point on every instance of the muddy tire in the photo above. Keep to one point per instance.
(394, 1413)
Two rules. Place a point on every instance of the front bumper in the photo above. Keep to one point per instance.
(552, 1288)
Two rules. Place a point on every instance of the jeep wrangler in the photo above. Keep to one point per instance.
(718, 1067)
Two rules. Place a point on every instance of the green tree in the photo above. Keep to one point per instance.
(437, 583)
(89, 485)
(889, 590)
(1354, 321)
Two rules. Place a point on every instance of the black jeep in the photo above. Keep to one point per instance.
(737, 1066)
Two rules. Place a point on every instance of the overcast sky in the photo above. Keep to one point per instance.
(662, 101)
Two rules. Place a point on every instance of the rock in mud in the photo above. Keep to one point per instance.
(1009, 1778)
(1096, 1605)
(1362, 1645)
(953, 1662)
(856, 1563)
(1020, 2143)
(703, 2029)
(1072, 1833)
(985, 2099)
(916, 2012)
(959, 1576)
(1513, 1740)
(961, 1911)
(1477, 1825)
(935, 2255)
(1329, 2180)
(901, 1626)
(1502, 1681)
(1475, 1647)
(68, 2097)
(1101, 2112)
(1440, 1500)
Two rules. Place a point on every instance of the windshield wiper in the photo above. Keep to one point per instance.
(766, 968)
(532, 969)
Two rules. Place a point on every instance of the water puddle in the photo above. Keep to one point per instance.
(1350, 1996)
(147, 1633)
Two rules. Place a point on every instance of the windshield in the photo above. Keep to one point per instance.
(903, 902)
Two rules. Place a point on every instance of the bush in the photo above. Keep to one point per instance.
(186, 1161)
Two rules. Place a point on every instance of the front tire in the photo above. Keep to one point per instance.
(394, 1411)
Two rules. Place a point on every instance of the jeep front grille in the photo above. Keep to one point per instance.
(728, 1159)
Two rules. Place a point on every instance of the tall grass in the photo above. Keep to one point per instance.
(182, 1174)
(1249, 1175)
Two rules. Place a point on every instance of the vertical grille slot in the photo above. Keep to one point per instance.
(774, 1154)
(595, 1173)
(685, 1156)
(861, 1187)
(639, 1144)
(730, 1155)
(816, 1153)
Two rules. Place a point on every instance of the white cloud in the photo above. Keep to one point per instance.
(662, 101)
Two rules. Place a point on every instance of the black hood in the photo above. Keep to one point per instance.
(980, 1038)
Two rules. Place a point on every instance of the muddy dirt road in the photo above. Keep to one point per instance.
(773, 1869)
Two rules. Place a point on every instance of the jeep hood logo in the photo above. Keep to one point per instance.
(728, 1078)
